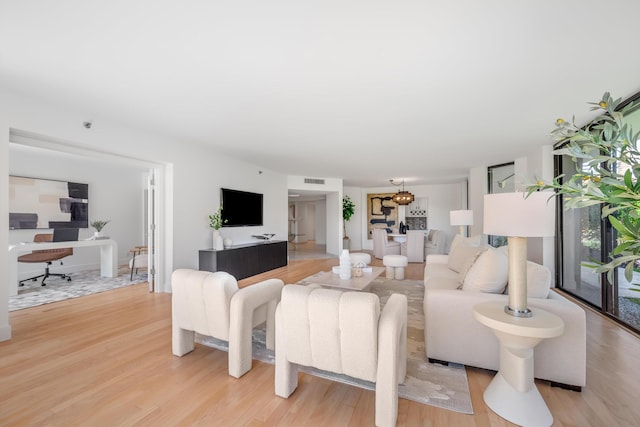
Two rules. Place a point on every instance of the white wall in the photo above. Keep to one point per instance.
(116, 193)
(354, 227)
(477, 190)
(191, 191)
(321, 222)
(5, 328)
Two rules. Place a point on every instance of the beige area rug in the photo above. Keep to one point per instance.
(429, 383)
(82, 283)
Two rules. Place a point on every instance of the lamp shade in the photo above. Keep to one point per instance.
(463, 217)
(513, 215)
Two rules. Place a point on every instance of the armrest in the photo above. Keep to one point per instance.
(452, 334)
(392, 358)
(241, 320)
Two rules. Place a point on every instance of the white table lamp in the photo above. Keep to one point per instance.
(517, 217)
(461, 218)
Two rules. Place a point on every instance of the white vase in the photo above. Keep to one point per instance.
(345, 265)
(218, 242)
(227, 243)
(96, 234)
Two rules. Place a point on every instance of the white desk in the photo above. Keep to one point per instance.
(512, 393)
(108, 256)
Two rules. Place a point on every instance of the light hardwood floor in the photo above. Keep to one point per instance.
(105, 360)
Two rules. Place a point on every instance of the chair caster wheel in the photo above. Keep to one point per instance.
(68, 279)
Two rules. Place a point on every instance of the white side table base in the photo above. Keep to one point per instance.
(525, 409)
(512, 393)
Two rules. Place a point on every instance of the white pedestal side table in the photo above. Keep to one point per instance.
(512, 393)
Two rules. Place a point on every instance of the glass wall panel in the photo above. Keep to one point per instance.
(587, 238)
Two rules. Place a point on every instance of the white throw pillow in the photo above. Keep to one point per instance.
(468, 263)
(466, 241)
(488, 274)
(538, 281)
(460, 254)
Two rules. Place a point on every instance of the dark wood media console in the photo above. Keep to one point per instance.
(245, 260)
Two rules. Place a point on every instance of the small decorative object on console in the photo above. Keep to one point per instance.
(265, 236)
(227, 243)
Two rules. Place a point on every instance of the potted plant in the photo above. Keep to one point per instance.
(215, 222)
(98, 225)
(348, 209)
(608, 175)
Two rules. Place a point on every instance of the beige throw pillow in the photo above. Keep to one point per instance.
(468, 263)
(460, 254)
(538, 281)
(489, 273)
(466, 241)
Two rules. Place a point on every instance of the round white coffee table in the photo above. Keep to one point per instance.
(512, 393)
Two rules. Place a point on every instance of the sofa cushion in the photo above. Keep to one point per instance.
(438, 271)
(489, 273)
(460, 254)
(538, 281)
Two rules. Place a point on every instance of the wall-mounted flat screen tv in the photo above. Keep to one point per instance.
(45, 203)
(241, 208)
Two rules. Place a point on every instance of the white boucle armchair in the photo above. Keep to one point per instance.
(345, 333)
(212, 304)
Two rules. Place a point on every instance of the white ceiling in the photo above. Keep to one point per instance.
(361, 90)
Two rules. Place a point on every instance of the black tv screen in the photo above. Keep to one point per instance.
(240, 208)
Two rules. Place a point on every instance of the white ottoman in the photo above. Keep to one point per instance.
(360, 257)
(395, 266)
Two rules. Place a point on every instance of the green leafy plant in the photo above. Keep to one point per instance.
(608, 165)
(215, 220)
(99, 225)
(348, 209)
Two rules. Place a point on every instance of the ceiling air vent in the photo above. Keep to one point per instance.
(313, 181)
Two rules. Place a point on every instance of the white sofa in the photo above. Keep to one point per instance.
(452, 334)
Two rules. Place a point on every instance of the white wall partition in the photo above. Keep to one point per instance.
(191, 188)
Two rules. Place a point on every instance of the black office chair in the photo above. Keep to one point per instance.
(47, 256)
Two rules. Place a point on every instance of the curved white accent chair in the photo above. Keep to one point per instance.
(413, 248)
(435, 243)
(345, 333)
(211, 304)
(382, 246)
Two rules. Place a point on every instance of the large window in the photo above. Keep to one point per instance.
(586, 237)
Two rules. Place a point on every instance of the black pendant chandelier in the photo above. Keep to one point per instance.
(402, 197)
